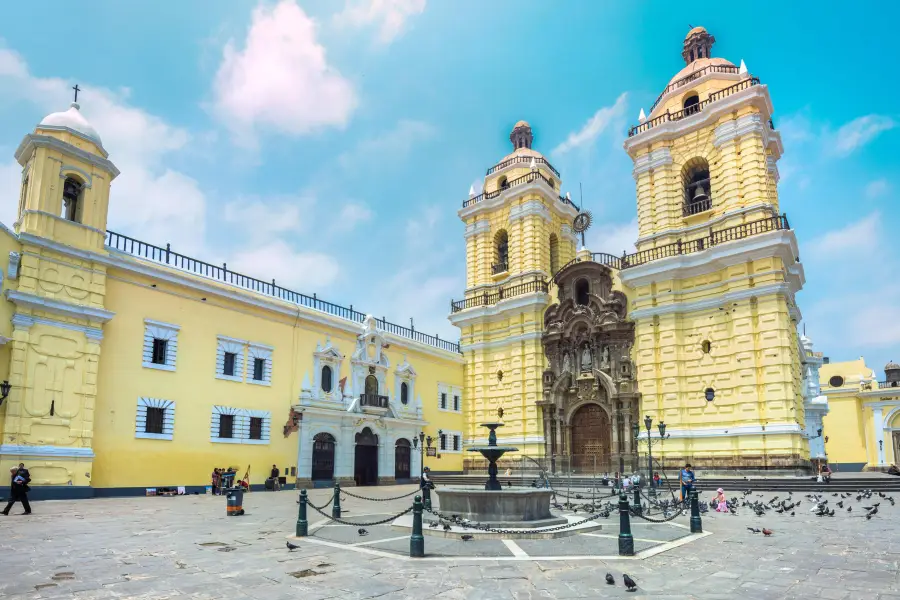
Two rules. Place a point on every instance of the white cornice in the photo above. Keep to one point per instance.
(59, 307)
(33, 140)
(756, 95)
(515, 339)
(679, 307)
(779, 243)
(707, 224)
(652, 160)
(778, 429)
(477, 226)
(527, 208)
(502, 308)
(693, 83)
(46, 451)
(539, 186)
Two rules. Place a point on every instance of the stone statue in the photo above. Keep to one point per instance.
(566, 365)
(604, 358)
(586, 358)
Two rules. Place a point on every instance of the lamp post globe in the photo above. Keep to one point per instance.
(662, 429)
(648, 423)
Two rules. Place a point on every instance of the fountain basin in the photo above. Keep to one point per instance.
(508, 508)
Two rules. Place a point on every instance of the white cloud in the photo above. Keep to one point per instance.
(280, 79)
(612, 238)
(305, 272)
(148, 199)
(266, 218)
(858, 238)
(389, 16)
(392, 146)
(419, 228)
(877, 188)
(597, 124)
(352, 215)
(859, 132)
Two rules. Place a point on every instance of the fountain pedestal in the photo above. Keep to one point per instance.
(492, 452)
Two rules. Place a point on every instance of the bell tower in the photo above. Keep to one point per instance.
(518, 234)
(57, 285)
(716, 272)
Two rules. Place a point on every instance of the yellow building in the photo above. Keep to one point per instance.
(862, 429)
(132, 366)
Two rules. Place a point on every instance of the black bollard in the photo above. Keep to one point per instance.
(637, 501)
(626, 541)
(302, 523)
(426, 495)
(336, 509)
(696, 524)
(417, 540)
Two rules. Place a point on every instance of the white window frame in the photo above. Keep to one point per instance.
(163, 331)
(449, 436)
(238, 348)
(140, 421)
(451, 391)
(254, 351)
(241, 432)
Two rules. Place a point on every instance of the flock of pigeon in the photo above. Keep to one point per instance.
(820, 505)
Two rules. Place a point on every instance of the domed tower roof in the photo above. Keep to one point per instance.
(892, 372)
(71, 119)
(521, 135)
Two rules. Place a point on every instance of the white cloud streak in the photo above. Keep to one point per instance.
(389, 16)
(606, 117)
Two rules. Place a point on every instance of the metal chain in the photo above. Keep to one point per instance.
(593, 517)
(416, 491)
(327, 502)
(652, 520)
(372, 524)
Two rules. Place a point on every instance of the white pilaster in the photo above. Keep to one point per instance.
(878, 425)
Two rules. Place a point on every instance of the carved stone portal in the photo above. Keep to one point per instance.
(588, 413)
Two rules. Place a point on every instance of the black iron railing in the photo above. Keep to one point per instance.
(167, 256)
(695, 207)
(694, 108)
(522, 159)
(373, 400)
(524, 179)
(888, 384)
(715, 238)
(499, 268)
(693, 77)
(492, 296)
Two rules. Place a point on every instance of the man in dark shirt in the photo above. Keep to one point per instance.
(276, 483)
(18, 489)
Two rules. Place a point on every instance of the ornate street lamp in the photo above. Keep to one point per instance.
(648, 423)
(662, 430)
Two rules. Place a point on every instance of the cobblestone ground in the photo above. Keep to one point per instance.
(186, 547)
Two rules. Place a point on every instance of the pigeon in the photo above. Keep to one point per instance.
(849, 508)
(433, 524)
(291, 547)
(840, 504)
(792, 513)
(767, 532)
(465, 537)
(629, 582)
(447, 527)
(362, 531)
(873, 512)
(754, 530)
(610, 580)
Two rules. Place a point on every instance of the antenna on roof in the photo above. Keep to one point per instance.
(581, 197)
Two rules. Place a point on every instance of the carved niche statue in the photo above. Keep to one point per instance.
(604, 358)
(566, 367)
(586, 359)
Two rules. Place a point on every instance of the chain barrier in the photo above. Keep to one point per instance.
(327, 502)
(593, 517)
(415, 491)
(372, 524)
(635, 513)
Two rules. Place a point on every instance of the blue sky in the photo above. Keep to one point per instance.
(329, 144)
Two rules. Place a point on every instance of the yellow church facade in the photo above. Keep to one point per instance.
(131, 366)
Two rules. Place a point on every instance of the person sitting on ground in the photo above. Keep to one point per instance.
(720, 501)
(276, 482)
(826, 473)
(656, 479)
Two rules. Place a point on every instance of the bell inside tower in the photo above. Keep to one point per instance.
(71, 199)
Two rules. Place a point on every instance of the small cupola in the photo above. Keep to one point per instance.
(521, 136)
(892, 373)
(697, 44)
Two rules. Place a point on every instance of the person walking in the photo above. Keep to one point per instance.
(276, 482)
(687, 482)
(18, 489)
(656, 479)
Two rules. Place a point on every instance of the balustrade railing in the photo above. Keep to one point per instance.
(524, 179)
(696, 207)
(888, 384)
(499, 268)
(522, 159)
(693, 77)
(167, 256)
(694, 108)
(373, 400)
(492, 296)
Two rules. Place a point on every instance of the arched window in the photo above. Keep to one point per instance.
(502, 184)
(72, 192)
(23, 195)
(552, 183)
(696, 181)
(327, 379)
(582, 292)
(554, 254)
(501, 252)
(691, 104)
(371, 386)
(404, 393)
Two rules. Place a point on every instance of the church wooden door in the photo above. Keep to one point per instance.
(590, 439)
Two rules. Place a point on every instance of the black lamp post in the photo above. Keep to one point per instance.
(636, 428)
(420, 442)
(4, 391)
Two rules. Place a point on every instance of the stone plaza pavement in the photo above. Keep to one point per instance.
(186, 547)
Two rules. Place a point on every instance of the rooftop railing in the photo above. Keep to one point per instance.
(492, 296)
(167, 256)
(694, 108)
(693, 77)
(888, 384)
(523, 180)
(522, 159)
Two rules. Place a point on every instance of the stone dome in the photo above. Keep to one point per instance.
(695, 30)
(521, 124)
(698, 64)
(74, 120)
(892, 366)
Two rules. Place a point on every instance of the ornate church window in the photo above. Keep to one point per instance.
(582, 292)
(326, 379)
(501, 252)
(72, 191)
(691, 104)
(404, 393)
(695, 177)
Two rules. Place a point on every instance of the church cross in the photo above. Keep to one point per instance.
(77, 89)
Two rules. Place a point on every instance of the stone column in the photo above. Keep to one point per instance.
(878, 425)
(386, 459)
(344, 456)
(304, 456)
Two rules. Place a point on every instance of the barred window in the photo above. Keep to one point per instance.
(155, 418)
(159, 351)
(444, 400)
(228, 368)
(226, 426)
(256, 424)
(456, 442)
(259, 367)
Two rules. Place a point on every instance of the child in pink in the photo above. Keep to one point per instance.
(721, 503)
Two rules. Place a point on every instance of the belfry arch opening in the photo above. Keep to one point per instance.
(554, 254)
(691, 104)
(501, 252)
(696, 182)
(73, 191)
(582, 292)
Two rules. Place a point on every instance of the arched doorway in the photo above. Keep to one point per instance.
(401, 459)
(323, 457)
(591, 439)
(365, 470)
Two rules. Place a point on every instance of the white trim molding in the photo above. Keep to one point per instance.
(516, 304)
(448, 397)
(256, 351)
(226, 345)
(59, 307)
(448, 440)
(140, 422)
(776, 429)
(160, 331)
(240, 432)
(21, 321)
(652, 160)
(266, 417)
(46, 451)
